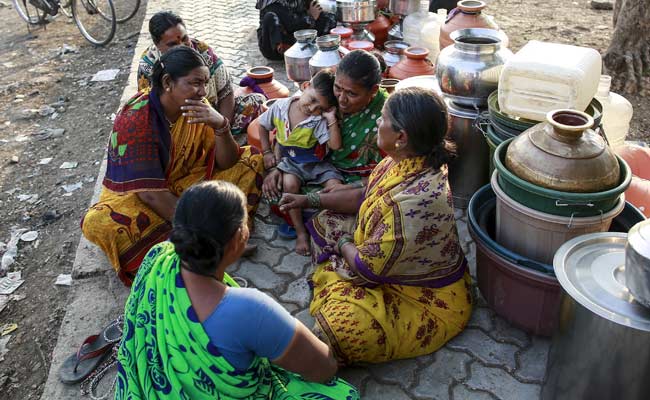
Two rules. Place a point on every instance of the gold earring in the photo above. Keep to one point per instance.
(396, 145)
(168, 89)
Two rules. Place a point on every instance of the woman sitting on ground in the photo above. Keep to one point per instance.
(191, 333)
(162, 143)
(360, 100)
(393, 266)
(167, 30)
(279, 19)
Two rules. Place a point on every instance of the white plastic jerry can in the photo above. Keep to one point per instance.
(544, 76)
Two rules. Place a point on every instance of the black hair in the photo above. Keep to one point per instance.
(178, 62)
(207, 217)
(160, 22)
(362, 67)
(422, 114)
(323, 84)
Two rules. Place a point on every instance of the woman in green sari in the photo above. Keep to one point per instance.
(191, 333)
(360, 101)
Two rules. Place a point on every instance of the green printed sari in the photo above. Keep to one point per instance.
(359, 153)
(166, 354)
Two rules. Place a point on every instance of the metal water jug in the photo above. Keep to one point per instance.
(327, 55)
(296, 58)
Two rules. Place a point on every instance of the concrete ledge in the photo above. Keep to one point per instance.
(97, 295)
(93, 304)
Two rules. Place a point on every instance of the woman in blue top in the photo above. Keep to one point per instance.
(190, 333)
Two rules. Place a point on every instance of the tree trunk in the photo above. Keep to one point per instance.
(628, 57)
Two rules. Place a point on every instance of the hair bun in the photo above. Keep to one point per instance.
(196, 249)
(441, 154)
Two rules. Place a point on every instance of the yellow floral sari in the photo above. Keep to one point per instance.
(143, 156)
(408, 291)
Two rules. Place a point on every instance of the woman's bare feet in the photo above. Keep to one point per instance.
(302, 244)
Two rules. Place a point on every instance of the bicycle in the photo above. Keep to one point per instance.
(96, 19)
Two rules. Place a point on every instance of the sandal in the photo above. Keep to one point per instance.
(92, 352)
(286, 231)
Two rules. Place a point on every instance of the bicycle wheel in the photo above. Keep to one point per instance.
(124, 10)
(28, 12)
(97, 29)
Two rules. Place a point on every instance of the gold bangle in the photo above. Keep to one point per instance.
(332, 123)
(267, 151)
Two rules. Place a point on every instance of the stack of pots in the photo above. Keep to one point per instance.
(554, 182)
(467, 73)
(497, 126)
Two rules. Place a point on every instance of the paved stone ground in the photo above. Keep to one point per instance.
(489, 360)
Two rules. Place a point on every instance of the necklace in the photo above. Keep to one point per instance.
(170, 123)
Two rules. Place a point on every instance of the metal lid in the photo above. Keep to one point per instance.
(460, 110)
(591, 269)
(305, 35)
(328, 42)
(639, 238)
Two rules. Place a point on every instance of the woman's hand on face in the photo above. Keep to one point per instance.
(289, 201)
(198, 112)
(330, 115)
(315, 9)
(272, 186)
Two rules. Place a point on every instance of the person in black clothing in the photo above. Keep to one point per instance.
(434, 5)
(279, 19)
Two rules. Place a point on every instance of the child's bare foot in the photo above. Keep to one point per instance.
(302, 244)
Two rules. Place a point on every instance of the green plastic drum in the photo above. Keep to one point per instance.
(554, 202)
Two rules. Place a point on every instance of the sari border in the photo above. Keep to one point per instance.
(131, 259)
(327, 330)
(364, 271)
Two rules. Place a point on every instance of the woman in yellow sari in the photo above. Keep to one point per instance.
(390, 278)
(162, 143)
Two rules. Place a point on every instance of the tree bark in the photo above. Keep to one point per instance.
(628, 57)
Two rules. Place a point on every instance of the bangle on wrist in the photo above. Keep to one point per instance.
(224, 129)
(314, 200)
(342, 242)
(267, 151)
(332, 123)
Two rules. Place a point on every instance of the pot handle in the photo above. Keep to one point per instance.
(560, 203)
(481, 122)
(570, 224)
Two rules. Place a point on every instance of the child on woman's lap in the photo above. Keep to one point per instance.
(306, 128)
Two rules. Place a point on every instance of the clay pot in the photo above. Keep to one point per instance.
(263, 75)
(564, 154)
(252, 131)
(380, 27)
(389, 84)
(466, 15)
(344, 33)
(414, 64)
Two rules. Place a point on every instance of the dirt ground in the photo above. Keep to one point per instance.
(35, 73)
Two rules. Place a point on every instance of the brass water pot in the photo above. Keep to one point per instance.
(564, 154)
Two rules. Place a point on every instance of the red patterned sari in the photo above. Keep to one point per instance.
(145, 156)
